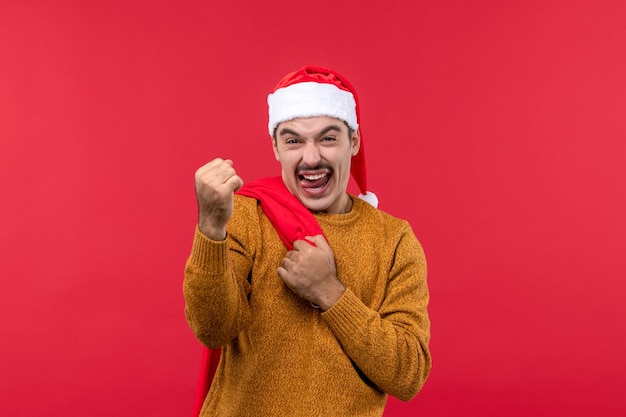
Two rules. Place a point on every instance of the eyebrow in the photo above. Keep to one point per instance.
(287, 131)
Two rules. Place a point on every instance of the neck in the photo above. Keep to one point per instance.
(342, 207)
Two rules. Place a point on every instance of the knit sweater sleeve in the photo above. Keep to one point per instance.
(216, 284)
(390, 345)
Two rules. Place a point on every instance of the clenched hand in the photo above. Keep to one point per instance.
(216, 183)
(309, 271)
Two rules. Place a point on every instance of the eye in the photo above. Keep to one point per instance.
(328, 138)
(291, 141)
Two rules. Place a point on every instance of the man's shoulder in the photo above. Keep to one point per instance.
(245, 201)
(385, 219)
(246, 208)
(386, 229)
(369, 210)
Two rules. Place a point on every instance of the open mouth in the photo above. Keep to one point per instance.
(315, 184)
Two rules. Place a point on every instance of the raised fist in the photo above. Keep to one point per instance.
(216, 183)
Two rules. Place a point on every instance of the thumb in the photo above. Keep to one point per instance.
(235, 183)
(239, 184)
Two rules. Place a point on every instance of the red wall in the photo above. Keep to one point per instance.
(496, 128)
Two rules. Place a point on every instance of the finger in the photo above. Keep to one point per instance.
(218, 162)
(214, 165)
(303, 244)
(224, 173)
(282, 272)
(286, 264)
(234, 182)
(213, 170)
(222, 178)
(239, 183)
(317, 241)
(292, 255)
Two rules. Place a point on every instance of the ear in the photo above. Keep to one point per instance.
(356, 142)
(275, 149)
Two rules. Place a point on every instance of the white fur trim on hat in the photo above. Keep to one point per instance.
(370, 197)
(311, 99)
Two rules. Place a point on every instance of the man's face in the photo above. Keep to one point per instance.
(315, 155)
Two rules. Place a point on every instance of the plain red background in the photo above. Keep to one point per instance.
(497, 128)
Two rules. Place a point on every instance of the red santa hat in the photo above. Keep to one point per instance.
(316, 91)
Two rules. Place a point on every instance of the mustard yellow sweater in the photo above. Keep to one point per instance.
(281, 356)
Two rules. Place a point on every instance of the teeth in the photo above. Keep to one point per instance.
(314, 177)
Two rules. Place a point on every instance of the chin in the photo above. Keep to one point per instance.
(314, 205)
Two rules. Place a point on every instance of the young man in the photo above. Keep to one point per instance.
(317, 299)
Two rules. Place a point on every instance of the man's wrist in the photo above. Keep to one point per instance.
(332, 297)
(217, 234)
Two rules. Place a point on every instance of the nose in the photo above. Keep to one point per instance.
(311, 155)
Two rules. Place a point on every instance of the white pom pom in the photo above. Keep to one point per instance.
(370, 197)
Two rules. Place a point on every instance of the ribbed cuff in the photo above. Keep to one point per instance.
(348, 315)
(209, 255)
